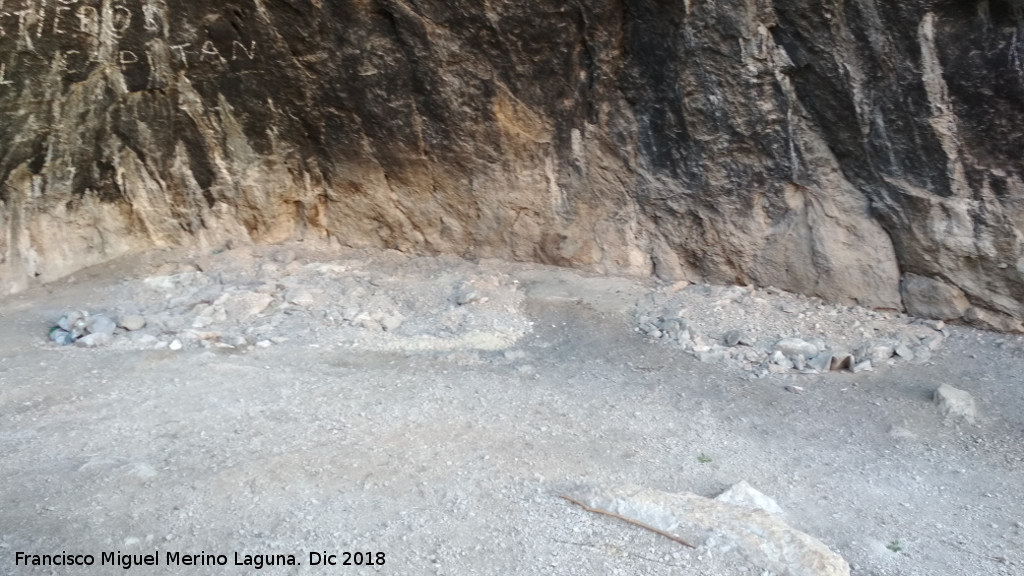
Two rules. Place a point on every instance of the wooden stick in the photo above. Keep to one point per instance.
(630, 520)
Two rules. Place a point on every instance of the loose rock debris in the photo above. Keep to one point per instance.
(242, 299)
(260, 297)
(769, 331)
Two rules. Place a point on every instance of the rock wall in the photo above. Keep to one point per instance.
(821, 146)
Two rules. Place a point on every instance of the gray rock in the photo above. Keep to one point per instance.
(350, 313)
(94, 340)
(781, 360)
(674, 328)
(61, 337)
(101, 324)
(132, 322)
(301, 298)
(648, 328)
(800, 362)
(392, 322)
(70, 320)
(922, 354)
(712, 356)
(930, 298)
(905, 352)
(176, 345)
(992, 320)
(862, 366)
(880, 353)
(933, 343)
(793, 346)
(465, 297)
(956, 404)
(821, 362)
(732, 338)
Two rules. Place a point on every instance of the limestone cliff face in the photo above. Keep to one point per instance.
(822, 146)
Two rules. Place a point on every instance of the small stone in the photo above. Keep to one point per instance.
(61, 337)
(467, 297)
(712, 356)
(263, 344)
(821, 362)
(202, 322)
(673, 328)
(922, 354)
(934, 342)
(301, 298)
(880, 353)
(70, 319)
(794, 389)
(955, 403)
(862, 366)
(732, 338)
(132, 322)
(904, 351)
(279, 339)
(369, 324)
(781, 360)
(176, 345)
(793, 346)
(800, 362)
(101, 324)
(94, 340)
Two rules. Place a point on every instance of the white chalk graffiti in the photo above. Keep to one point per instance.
(24, 23)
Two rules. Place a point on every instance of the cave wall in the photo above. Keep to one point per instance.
(821, 146)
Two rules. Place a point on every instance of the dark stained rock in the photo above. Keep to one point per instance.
(819, 146)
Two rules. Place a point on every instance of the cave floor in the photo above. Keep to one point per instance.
(444, 438)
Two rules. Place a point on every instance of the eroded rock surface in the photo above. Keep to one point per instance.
(822, 147)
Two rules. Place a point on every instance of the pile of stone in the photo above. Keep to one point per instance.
(768, 331)
(81, 328)
(267, 296)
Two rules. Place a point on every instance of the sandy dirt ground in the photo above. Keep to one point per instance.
(429, 412)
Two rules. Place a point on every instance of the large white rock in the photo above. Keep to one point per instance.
(746, 534)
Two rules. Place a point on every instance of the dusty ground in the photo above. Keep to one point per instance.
(434, 410)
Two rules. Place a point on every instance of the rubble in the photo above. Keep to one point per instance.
(766, 331)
